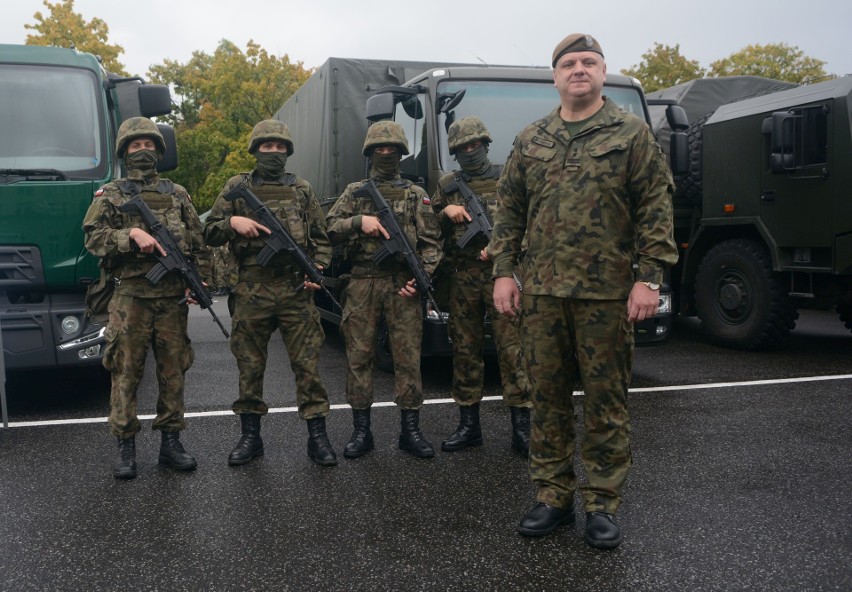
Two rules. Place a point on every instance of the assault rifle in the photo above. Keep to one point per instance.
(174, 257)
(279, 240)
(398, 242)
(480, 221)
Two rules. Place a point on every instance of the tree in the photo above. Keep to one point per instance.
(663, 66)
(63, 28)
(219, 99)
(773, 60)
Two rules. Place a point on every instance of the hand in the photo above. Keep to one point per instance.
(642, 303)
(457, 214)
(247, 227)
(188, 296)
(146, 242)
(409, 290)
(371, 226)
(483, 255)
(309, 285)
(507, 297)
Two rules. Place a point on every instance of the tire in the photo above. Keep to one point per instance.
(692, 183)
(384, 357)
(742, 304)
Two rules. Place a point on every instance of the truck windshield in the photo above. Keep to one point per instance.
(50, 119)
(507, 107)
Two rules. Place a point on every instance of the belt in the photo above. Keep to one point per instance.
(256, 273)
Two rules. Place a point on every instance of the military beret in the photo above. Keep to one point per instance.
(576, 42)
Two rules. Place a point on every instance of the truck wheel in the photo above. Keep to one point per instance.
(691, 184)
(384, 357)
(740, 302)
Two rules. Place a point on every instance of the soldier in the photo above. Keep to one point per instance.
(142, 314)
(472, 291)
(266, 298)
(589, 192)
(385, 289)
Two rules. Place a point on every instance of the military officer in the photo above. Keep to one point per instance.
(384, 290)
(588, 191)
(472, 292)
(142, 315)
(269, 297)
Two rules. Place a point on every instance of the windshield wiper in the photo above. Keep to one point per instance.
(29, 174)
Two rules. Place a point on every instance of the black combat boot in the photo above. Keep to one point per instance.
(361, 441)
(468, 433)
(125, 468)
(250, 444)
(172, 453)
(411, 439)
(602, 531)
(521, 429)
(319, 448)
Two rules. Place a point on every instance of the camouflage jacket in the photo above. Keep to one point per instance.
(107, 235)
(586, 207)
(411, 206)
(484, 186)
(296, 207)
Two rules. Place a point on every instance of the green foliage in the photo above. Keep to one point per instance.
(219, 99)
(65, 28)
(773, 60)
(664, 66)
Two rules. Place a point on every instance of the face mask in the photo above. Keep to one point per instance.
(141, 160)
(475, 162)
(271, 165)
(385, 166)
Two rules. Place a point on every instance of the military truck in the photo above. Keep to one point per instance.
(329, 116)
(764, 215)
(59, 113)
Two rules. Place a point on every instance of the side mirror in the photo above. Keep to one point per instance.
(781, 129)
(679, 153)
(676, 118)
(169, 160)
(154, 99)
(380, 106)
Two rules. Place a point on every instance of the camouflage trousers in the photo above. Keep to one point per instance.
(590, 341)
(135, 324)
(471, 295)
(367, 301)
(261, 307)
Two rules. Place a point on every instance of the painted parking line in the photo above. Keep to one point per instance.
(633, 391)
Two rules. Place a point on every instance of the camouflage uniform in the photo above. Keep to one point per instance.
(265, 298)
(142, 314)
(373, 291)
(587, 206)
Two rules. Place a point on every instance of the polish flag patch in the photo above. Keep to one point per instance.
(426, 200)
(99, 192)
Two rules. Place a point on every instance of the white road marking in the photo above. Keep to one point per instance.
(652, 389)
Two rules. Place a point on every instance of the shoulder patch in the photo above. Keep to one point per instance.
(426, 200)
(99, 192)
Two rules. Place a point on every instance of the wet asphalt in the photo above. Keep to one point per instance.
(737, 487)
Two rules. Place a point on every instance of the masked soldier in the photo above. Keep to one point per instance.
(471, 292)
(270, 297)
(143, 315)
(384, 290)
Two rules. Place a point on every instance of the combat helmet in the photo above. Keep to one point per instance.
(138, 127)
(383, 133)
(466, 130)
(270, 129)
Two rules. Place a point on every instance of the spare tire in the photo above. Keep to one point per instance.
(691, 184)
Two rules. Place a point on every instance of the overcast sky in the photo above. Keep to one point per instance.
(521, 32)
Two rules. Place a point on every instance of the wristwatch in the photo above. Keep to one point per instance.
(651, 285)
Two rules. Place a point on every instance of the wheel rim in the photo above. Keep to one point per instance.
(734, 300)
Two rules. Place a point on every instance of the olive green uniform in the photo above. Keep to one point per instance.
(587, 205)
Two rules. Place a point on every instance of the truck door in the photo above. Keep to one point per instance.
(796, 189)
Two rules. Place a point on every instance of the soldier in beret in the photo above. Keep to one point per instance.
(588, 191)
